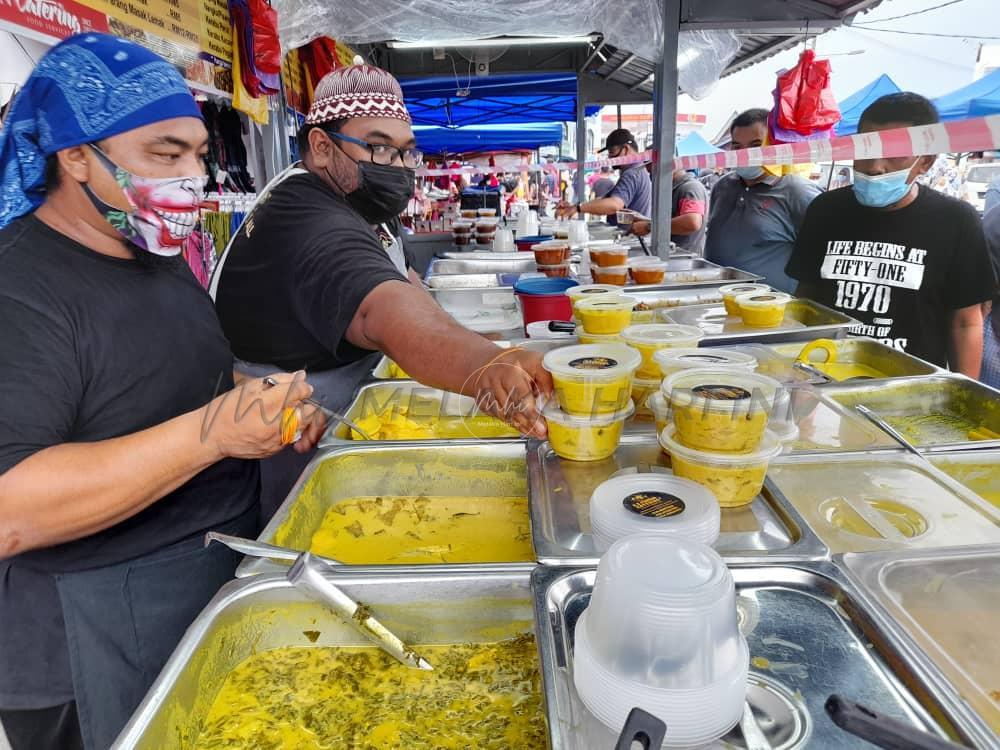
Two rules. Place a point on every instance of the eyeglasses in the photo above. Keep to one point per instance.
(383, 154)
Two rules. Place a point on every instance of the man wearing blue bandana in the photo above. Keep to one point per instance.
(906, 261)
(122, 437)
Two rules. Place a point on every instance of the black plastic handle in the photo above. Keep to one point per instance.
(883, 731)
(644, 728)
(562, 326)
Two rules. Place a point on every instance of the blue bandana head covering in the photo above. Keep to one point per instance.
(86, 88)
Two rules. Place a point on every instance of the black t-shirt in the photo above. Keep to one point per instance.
(295, 276)
(92, 348)
(900, 273)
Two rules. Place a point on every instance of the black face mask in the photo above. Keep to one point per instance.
(382, 192)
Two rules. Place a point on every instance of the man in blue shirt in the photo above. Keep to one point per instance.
(634, 189)
(755, 213)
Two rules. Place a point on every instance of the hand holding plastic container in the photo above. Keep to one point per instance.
(592, 379)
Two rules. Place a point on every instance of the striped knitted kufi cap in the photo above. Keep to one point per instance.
(357, 91)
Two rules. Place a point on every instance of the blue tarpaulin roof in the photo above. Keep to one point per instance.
(492, 99)
(853, 106)
(511, 137)
(693, 144)
(978, 99)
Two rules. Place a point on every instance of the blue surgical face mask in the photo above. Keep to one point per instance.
(882, 190)
(750, 173)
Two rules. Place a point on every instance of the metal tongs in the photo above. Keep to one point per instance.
(270, 382)
(307, 576)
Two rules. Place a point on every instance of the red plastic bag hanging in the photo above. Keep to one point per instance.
(266, 47)
(806, 102)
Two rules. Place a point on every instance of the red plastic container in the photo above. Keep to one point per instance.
(544, 299)
(524, 243)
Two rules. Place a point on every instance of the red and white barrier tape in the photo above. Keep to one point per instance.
(977, 134)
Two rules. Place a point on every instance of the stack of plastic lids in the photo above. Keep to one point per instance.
(656, 504)
(661, 633)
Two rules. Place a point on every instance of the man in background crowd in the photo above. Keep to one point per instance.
(603, 184)
(907, 261)
(756, 212)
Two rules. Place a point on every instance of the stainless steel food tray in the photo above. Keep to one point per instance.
(451, 266)
(411, 469)
(267, 612)
(418, 399)
(805, 320)
(381, 371)
(559, 498)
(889, 500)
(809, 636)
(931, 401)
(976, 470)
(945, 601)
(866, 351)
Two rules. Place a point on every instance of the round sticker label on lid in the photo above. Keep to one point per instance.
(702, 358)
(595, 291)
(721, 392)
(593, 363)
(738, 289)
(763, 298)
(654, 504)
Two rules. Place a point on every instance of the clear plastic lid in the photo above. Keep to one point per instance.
(606, 249)
(608, 270)
(657, 503)
(769, 447)
(551, 245)
(733, 290)
(605, 362)
(763, 299)
(553, 413)
(658, 404)
(691, 357)
(720, 390)
(652, 334)
(615, 303)
(585, 291)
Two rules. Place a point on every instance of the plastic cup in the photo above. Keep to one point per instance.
(591, 438)
(551, 253)
(720, 410)
(587, 291)
(616, 275)
(653, 503)
(605, 313)
(648, 270)
(642, 389)
(578, 232)
(686, 358)
(763, 309)
(503, 241)
(598, 338)
(609, 256)
(735, 478)
(486, 212)
(650, 338)
(731, 291)
(657, 404)
(469, 213)
(592, 379)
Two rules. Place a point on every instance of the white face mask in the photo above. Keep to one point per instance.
(164, 210)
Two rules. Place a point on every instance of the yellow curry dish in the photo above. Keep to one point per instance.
(582, 292)
(394, 371)
(731, 291)
(720, 410)
(481, 695)
(642, 389)
(669, 361)
(763, 310)
(605, 313)
(654, 337)
(830, 366)
(736, 479)
(394, 422)
(585, 438)
(420, 530)
(592, 379)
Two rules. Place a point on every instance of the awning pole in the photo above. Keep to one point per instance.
(581, 143)
(665, 127)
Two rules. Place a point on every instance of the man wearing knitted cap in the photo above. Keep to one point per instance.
(316, 278)
(117, 452)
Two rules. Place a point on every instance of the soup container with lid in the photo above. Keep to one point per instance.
(557, 271)
(650, 338)
(486, 212)
(598, 338)
(670, 361)
(616, 275)
(605, 313)
(658, 405)
(647, 270)
(592, 379)
(642, 389)
(735, 478)
(585, 438)
(608, 255)
(551, 253)
(731, 291)
(720, 410)
(763, 309)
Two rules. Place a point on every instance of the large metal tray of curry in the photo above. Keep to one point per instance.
(264, 667)
(397, 506)
(810, 635)
(934, 413)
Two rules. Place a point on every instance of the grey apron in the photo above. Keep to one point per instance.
(334, 389)
(123, 621)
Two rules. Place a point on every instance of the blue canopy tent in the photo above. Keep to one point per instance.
(853, 106)
(693, 144)
(475, 138)
(492, 99)
(978, 99)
